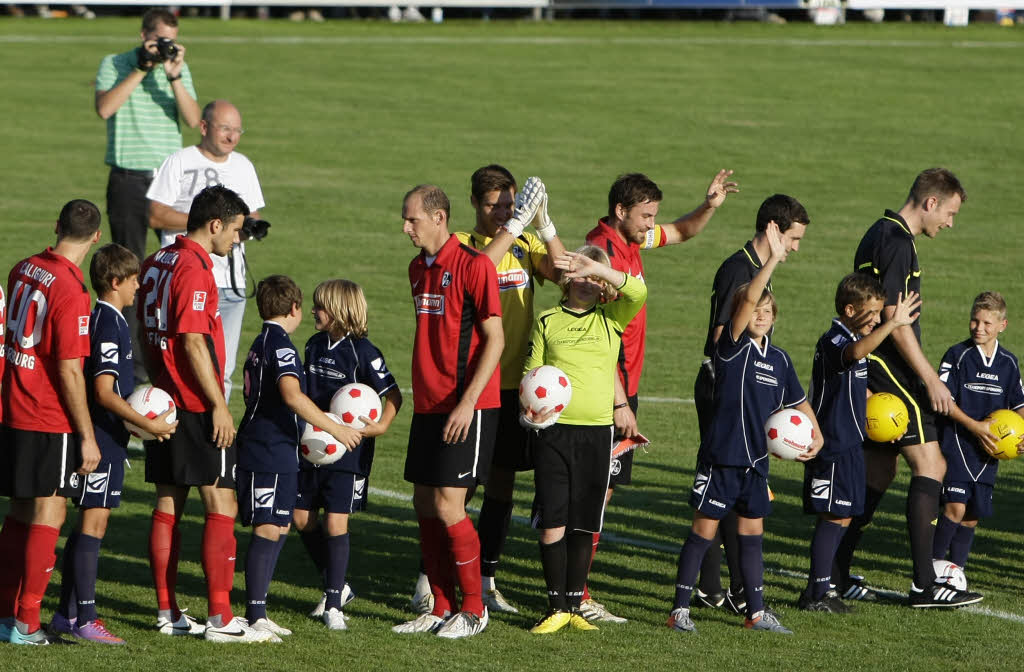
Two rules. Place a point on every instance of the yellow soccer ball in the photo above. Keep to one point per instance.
(887, 417)
(1008, 427)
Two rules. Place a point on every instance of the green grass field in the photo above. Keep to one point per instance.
(342, 118)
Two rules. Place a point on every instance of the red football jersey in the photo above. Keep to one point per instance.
(452, 297)
(178, 295)
(3, 358)
(626, 258)
(49, 322)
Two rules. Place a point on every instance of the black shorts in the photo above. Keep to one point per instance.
(976, 495)
(40, 464)
(430, 461)
(570, 475)
(190, 457)
(884, 376)
(512, 443)
(622, 466)
(332, 491)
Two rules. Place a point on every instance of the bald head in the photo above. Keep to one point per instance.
(221, 127)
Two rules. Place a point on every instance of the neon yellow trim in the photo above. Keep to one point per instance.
(868, 264)
(909, 397)
(752, 262)
(898, 222)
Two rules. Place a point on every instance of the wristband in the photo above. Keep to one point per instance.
(618, 406)
(547, 233)
(174, 79)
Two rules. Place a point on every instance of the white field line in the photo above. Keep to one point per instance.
(527, 40)
(674, 549)
(646, 400)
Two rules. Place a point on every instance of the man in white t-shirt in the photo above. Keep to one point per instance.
(183, 175)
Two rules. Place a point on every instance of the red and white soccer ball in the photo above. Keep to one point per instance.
(356, 400)
(545, 387)
(149, 401)
(789, 433)
(318, 446)
(950, 573)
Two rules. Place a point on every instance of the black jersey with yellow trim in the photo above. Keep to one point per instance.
(888, 252)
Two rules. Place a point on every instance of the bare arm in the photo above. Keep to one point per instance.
(166, 218)
(499, 246)
(72, 394)
(110, 101)
(188, 108)
(456, 428)
(624, 419)
(303, 406)
(202, 367)
(692, 223)
(547, 267)
(108, 398)
(747, 302)
(902, 315)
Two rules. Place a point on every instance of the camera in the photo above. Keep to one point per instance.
(166, 50)
(254, 229)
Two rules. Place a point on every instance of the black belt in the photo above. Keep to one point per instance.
(148, 174)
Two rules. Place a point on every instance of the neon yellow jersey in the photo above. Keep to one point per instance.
(517, 273)
(585, 346)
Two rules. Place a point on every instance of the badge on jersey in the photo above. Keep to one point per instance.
(83, 325)
(380, 368)
(514, 279)
(109, 353)
(446, 279)
(430, 304)
(199, 301)
(286, 357)
(517, 252)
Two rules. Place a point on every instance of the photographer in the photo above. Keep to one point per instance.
(184, 174)
(142, 93)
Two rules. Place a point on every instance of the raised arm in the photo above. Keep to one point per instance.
(747, 302)
(905, 314)
(692, 223)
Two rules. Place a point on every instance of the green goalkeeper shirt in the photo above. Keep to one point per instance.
(585, 345)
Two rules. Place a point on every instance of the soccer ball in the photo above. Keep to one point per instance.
(887, 417)
(545, 387)
(149, 401)
(789, 433)
(318, 446)
(1008, 428)
(356, 400)
(947, 572)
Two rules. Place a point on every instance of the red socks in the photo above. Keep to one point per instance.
(39, 561)
(464, 544)
(219, 563)
(13, 538)
(437, 563)
(164, 544)
(593, 552)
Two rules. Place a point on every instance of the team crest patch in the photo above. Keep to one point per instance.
(700, 483)
(199, 301)
(96, 483)
(73, 480)
(380, 368)
(820, 488)
(359, 489)
(109, 353)
(286, 357)
(517, 252)
(263, 498)
(446, 279)
(616, 467)
(83, 325)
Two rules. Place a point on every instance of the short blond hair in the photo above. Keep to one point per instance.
(609, 293)
(766, 295)
(992, 301)
(345, 305)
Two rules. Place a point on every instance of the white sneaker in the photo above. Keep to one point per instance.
(335, 620)
(496, 602)
(185, 625)
(595, 611)
(318, 610)
(270, 626)
(463, 624)
(236, 631)
(422, 601)
(425, 623)
(680, 620)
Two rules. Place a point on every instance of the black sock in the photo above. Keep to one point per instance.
(577, 554)
(315, 542)
(752, 571)
(711, 567)
(961, 545)
(553, 558)
(690, 556)
(844, 554)
(337, 567)
(68, 606)
(922, 504)
(823, 550)
(944, 531)
(729, 530)
(492, 526)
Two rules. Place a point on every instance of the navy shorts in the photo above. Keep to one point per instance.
(890, 377)
(512, 442)
(103, 487)
(266, 498)
(332, 491)
(622, 466)
(432, 462)
(719, 489)
(835, 487)
(977, 497)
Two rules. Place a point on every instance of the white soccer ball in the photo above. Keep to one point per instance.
(149, 401)
(948, 572)
(545, 387)
(356, 400)
(318, 446)
(789, 433)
